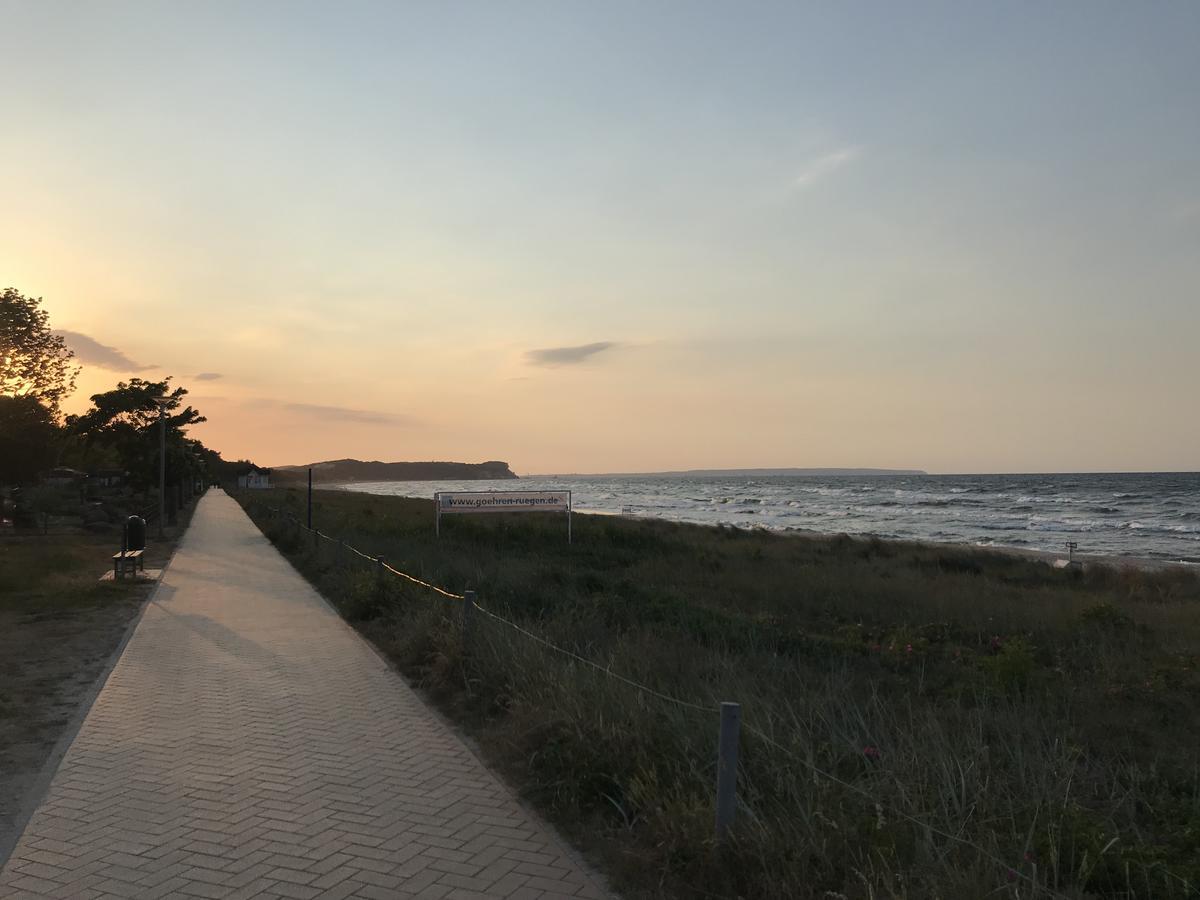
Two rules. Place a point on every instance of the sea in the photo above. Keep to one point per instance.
(1146, 516)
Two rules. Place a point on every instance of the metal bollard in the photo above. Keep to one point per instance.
(727, 761)
(468, 613)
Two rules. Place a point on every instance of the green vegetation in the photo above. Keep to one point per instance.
(1046, 716)
(121, 436)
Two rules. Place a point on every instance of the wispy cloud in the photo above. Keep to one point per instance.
(822, 166)
(207, 376)
(91, 351)
(567, 356)
(346, 414)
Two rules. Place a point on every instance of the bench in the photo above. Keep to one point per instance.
(128, 561)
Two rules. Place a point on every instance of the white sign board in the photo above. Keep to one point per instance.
(502, 501)
(452, 502)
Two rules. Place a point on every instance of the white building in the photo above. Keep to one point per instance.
(254, 479)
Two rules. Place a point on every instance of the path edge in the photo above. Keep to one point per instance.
(41, 784)
(599, 878)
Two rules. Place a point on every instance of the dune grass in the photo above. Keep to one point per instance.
(985, 725)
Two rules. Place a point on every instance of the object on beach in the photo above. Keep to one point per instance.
(1070, 562)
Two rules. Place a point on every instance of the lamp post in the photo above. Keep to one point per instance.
(162, 402)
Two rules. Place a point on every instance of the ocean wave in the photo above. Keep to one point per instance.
(1167, 529)
(1151, 517)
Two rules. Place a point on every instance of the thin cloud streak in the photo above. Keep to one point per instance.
(91, 351)
(567, 356)
(346, 414)
(823, 166)
(207, 376)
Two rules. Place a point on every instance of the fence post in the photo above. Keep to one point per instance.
(727, 764)
(468, 611)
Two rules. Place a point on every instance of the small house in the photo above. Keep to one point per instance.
(107, 477)
(254, 479)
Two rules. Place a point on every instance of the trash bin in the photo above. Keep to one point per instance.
(135, 530)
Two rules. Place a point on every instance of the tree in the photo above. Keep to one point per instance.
(33, 361)
(27, 433)
(125, 419)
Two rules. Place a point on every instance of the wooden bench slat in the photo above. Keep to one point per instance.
(126, 559)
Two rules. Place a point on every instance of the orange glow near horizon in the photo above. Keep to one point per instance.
(504, 243)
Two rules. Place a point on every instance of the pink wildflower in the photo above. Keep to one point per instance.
(872, 753)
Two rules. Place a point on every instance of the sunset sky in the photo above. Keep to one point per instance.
(623, 236)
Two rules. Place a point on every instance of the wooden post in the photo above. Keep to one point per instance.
(468, 613)
(727, 758)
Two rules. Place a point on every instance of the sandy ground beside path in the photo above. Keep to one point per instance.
(49, 661)
(59, 627)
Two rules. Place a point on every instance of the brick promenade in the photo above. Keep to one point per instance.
(248, 744)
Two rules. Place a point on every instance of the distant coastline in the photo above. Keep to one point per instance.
(348, 471)
(752, 473)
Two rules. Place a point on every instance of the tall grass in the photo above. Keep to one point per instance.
(984, 724)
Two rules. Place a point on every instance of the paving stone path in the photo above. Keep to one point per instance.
(249, 744)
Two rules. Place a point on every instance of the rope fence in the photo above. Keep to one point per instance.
(728, 712)
(596, 666)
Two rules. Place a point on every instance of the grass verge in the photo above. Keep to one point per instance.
(985, 724)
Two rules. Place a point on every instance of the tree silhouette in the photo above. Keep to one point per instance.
(27, 433)
(125, 419)
(33, 362)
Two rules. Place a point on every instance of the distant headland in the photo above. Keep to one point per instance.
(341, 471)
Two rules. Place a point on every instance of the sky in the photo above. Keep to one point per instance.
(619, 236)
